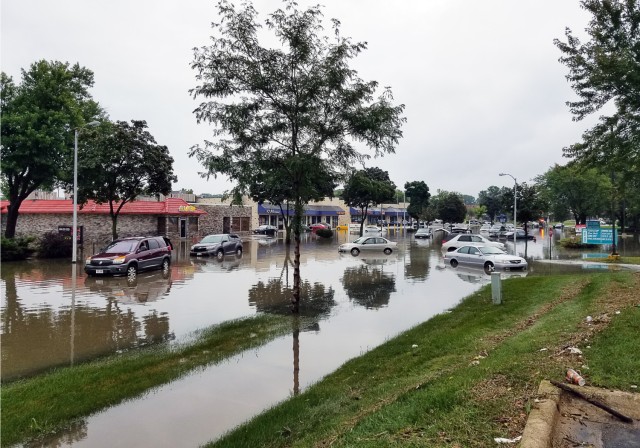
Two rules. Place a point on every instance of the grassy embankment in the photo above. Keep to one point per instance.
(467, 376)
(46, 403)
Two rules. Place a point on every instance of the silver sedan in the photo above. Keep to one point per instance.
(487, 257)
(369, 244)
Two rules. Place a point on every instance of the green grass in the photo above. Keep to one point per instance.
(37, 406)
(474, 373)
(617, 260)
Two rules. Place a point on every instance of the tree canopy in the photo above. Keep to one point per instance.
(366, 188)
(287, 103)
(579, 191)
(419, 195)
(606, 70)
(38, 118)
(120, 161)
(449, 206)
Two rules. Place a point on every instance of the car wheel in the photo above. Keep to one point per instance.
(165, 265)
(489, 267)
(220, 254)
(239, 251)
(387, 250)
(132, 271)
(454, 263)
(355, 251)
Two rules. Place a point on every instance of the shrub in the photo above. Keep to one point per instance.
(324, 233)
(19, 248)
(54, 245)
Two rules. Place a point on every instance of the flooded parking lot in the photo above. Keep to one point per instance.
(51, 317)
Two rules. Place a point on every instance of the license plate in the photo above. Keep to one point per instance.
(99, 271)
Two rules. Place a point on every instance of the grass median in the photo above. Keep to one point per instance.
(469, 375)
(47, 403)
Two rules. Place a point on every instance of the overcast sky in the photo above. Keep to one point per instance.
(483, 89)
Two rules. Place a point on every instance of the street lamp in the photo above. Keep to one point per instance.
(74, 229)
(515, 226)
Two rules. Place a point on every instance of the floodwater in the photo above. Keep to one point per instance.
(55, 316)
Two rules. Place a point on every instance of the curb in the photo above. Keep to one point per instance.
(538, 431)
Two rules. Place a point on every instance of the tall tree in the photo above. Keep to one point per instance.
(606, 70)
(530, 205)
(287, 102)
(366, 188)
(574, 189)
(491, 198)
(120, 161)
(450, 206)
(37, 119)
(419, 195)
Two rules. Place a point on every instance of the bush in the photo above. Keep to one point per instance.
(12, 249)
(324, 233)
(575, 243)
(54, 245)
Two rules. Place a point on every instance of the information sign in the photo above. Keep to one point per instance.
(598, 236)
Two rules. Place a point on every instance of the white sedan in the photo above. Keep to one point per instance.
(369, 244)
(465, 239)
(487, 257)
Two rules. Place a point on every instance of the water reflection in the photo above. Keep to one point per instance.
(368, 284)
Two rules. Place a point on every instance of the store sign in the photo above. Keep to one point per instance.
(67, 233)
(187, 208)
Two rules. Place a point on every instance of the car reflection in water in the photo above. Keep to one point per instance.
(480, 275)
(230, 263)
(142, 288)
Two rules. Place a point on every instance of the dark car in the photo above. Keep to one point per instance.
(319, 225)
(265, 229)
(423, 233)
(130, 256)
(218, 245)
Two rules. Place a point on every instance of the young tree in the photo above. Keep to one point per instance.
(37, 121)
(275, 186)
(418, 193)
(368, 187)
(120, 161)
(606, 70)
(286, 103)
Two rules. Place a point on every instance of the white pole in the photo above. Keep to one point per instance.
(74, 229)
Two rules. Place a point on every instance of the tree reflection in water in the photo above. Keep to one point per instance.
(368, 284)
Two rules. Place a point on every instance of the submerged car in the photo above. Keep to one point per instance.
(129, 256)
(218, 245)
(422, 233)
(468, 240)
(520, 235)
(369, 244)
(265, 229)
(488, 257)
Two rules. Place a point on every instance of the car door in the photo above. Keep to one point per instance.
(155, 253)
(370, 243)
(143, 255)
(474, 257)
(462, 254)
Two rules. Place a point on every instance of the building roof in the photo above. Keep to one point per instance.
(170, 206)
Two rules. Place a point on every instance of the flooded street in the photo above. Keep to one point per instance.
(51, 317)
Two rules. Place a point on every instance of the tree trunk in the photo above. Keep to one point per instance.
(297, 220)
(114, 227)
(12, 219)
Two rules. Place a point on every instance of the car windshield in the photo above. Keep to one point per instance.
(119, 247)
(212, 239)
(488, 250)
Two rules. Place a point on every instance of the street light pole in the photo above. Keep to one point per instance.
(515, 225)
(74, 229)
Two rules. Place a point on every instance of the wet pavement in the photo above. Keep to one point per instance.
(50, 318)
